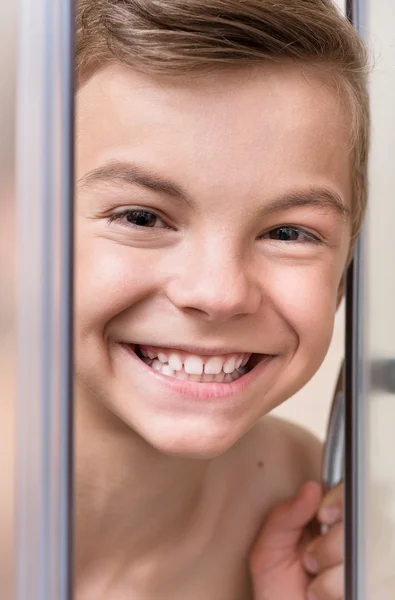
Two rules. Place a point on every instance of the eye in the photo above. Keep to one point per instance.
(290, 234)
(138, 218)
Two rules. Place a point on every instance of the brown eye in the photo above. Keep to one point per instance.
(285, 234)
(291, 235)
(141, 218)
(138, 218)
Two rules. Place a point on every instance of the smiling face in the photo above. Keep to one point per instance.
(212, 224)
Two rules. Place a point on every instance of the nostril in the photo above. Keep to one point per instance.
(194, 311)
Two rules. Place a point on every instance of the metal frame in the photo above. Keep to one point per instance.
(355, 396)
(45, 182)
(356, 427)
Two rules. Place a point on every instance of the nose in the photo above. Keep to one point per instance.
(215, 285)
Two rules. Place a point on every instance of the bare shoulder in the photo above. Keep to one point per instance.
(276, 457)
(290, 447)
(267, 466)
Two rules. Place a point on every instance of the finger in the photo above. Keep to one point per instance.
(284, 527)
(331, 509)
(328, 586)
(325, 551)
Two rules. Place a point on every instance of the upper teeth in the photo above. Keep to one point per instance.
(196, 365)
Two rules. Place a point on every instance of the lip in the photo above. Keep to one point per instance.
(205, 390)
(196, 350)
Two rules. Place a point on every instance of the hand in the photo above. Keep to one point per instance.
(281, 561)
(324, 556)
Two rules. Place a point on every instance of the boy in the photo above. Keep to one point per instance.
(221, 182)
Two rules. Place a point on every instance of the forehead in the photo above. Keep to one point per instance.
(269, 126)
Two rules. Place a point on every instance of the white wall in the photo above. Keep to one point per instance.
(380, 304)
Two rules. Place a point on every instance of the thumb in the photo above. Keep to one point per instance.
(284, 528)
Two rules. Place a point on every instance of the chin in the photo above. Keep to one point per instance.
(203, 438)
(191, 449)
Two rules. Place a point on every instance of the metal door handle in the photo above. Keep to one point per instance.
(333, 459)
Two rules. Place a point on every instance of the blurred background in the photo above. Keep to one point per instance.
(8, 71)
(310, 407)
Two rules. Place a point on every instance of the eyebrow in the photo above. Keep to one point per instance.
(132, 174)
(315, 196)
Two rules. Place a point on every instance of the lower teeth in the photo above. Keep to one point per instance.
(221, 377)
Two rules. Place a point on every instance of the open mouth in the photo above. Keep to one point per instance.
(221, 368)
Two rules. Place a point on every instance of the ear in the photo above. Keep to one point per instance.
(340, 291)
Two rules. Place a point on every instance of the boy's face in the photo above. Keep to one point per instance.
(212, 218)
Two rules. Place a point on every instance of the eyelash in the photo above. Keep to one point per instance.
(119, 216)
(309, 237)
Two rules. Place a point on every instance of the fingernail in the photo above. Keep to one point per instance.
(330, 514)
(310, 564)
(311, 596)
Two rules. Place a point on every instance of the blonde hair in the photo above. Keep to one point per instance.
(185, 37)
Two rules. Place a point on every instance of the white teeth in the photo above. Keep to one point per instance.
(166, 370)
(157, 365)
(229, 365)
(193, 365)
(213, 366)
(217, 369)
(245, 360)
(175, 362)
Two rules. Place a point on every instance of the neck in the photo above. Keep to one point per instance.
(131, 501)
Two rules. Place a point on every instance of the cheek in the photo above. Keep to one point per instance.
(307, 296)
(109, 278)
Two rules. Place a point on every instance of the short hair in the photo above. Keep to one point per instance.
(186, 37)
